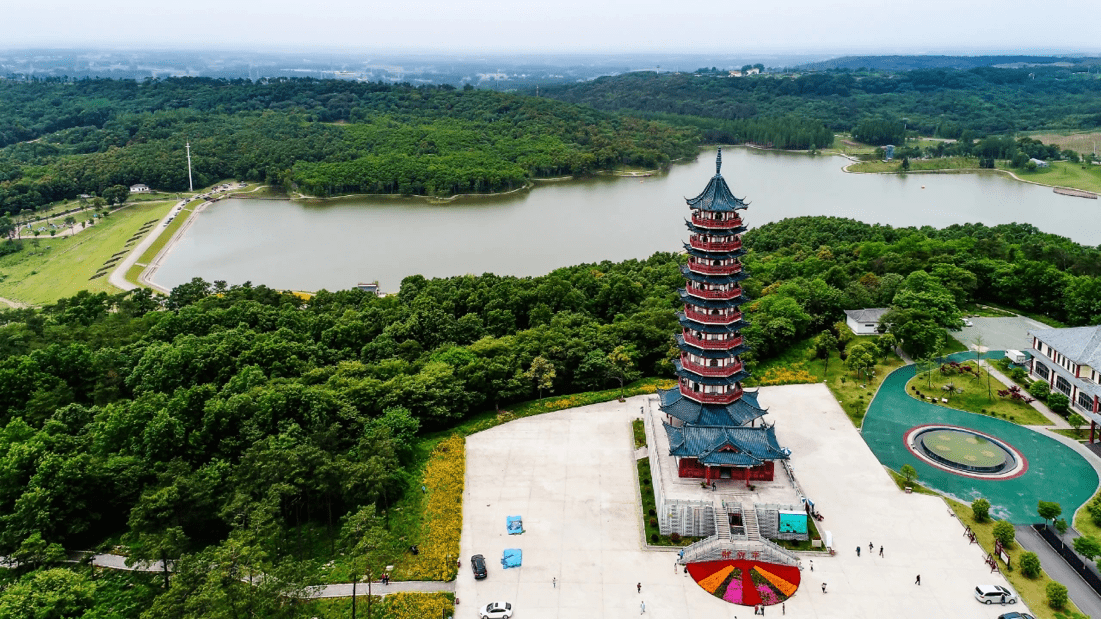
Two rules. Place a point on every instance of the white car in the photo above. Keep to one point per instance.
(967, 322)
(495, 610)
(988, 594)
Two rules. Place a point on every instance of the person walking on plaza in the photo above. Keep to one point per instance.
(858, 551)
(881, 551)
(918, 581)
(639, 586)
(643, 609)
(823, 587)
(871, 547)
(812, 565)
(554, 582)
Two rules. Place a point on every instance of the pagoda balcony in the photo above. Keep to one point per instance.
(711, 319)
(706, 370)
(714, 245)
(715, 269)
(724, 295)
(711, 398)
(719, 224)
(713, 344)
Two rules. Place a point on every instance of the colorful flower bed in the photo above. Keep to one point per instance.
(793, 375)
(746, 582)
(407, 605)
(443, 514)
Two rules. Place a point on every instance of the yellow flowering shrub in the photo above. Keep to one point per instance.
(443, 514)
(786, 376)
(410, 605)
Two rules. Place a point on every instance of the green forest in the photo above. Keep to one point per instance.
(64, 138)
(938, 102)
(238, 430)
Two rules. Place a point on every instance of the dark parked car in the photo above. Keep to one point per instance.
(478, 564)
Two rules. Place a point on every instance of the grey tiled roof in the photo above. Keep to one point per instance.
(871, 314)
(716, 196)
(719, 446)
(1081, 345)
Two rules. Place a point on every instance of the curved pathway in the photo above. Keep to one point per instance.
(1055, 472)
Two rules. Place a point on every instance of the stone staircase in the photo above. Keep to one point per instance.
(722, 523)
(749, 519)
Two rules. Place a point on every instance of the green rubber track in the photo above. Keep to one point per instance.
(1055, 472)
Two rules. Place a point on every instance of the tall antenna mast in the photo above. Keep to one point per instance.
(190, 183)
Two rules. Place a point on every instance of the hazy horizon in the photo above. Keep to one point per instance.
(491, 27)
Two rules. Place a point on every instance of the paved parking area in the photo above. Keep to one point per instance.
(1009, 333)
(572, 476)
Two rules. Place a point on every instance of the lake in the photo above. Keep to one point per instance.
(336, 244)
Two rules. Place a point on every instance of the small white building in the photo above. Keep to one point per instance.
(1040, 163)
(139, 188)
(864, 321)
(371, 288)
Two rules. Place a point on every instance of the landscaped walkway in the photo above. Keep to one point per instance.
(339, 590)
(1055, 471)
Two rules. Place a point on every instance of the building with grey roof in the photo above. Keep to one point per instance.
(1070, 361)
(865, 321)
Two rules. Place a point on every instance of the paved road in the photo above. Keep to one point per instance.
(1083, 596)
(118, 276)
(341, 590)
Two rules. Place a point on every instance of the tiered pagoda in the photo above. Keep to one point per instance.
(712, 422)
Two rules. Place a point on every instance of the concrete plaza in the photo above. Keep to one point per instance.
(572, 477)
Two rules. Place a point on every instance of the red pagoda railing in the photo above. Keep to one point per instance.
(711, 319)
(711, 398)
(715, 246)
(706, 370)
(716, 223)
(714, 294)
(715, 269)
(713, 344)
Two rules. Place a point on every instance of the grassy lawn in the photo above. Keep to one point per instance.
(1032, 591)
(639, 430)
(649, 511)
(974, 398)
(61, 267)
(1084, 524)
(1082, 142)
(1080, 434)
(1062, 173)
(844, 144)
(915, 487)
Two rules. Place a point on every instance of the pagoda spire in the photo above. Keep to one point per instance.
(719, 161)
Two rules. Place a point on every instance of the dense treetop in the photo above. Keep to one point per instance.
(945, 102)
(64, 138)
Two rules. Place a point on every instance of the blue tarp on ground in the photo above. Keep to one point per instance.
(512, 558)
(514, 525)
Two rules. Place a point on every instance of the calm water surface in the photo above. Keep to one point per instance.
(296, 246)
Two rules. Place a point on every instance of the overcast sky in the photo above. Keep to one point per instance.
(671, 26)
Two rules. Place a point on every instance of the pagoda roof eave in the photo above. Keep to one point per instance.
(732, 230)
(713, 255)
(729, 446)
(703, 352)
(733, 278)
(712, 303)
(737, 413)
(716, 381)
(704, 327)
(715, 197)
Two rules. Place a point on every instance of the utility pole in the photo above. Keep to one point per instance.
(190, 183)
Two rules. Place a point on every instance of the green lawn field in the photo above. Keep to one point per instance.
(61, 267)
